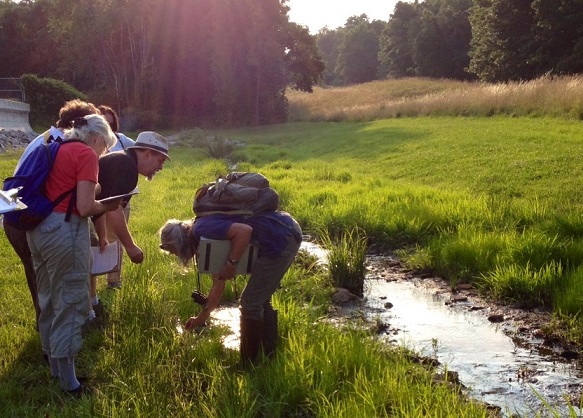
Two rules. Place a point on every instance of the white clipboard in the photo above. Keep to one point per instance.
(119, 196)
(9, 200)
(108, 261)
(212, 255)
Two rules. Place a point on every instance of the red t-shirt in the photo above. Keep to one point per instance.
(75, 162)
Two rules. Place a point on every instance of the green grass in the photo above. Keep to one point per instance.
(346, 258)
(482, 200)
(493, 200)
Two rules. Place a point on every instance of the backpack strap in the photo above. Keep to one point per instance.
(73, 191)
(120, 141)
(72, 202)
(231, 212)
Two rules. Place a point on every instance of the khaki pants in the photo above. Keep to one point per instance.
(266, 275)
(61, 258)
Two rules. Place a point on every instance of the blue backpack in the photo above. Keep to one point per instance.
(31, 176)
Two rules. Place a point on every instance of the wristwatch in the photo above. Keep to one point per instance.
(232, 262)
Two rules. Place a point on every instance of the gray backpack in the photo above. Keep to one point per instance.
(238, 193)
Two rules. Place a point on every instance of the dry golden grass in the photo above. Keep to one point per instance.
(561, 96)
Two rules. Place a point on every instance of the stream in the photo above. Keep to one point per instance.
(517, 377)
(494, 368)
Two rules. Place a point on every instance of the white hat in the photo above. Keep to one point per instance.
(153, 141)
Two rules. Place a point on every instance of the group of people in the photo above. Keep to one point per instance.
(56, 254)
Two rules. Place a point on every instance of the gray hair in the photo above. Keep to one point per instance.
(87, 126)
(176, 238)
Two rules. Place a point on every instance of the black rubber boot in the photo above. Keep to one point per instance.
(251, 335)
(270, 335)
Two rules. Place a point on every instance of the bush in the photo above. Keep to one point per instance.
(46, 96)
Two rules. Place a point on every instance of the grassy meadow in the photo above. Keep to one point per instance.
(493, 201)
(412, 97)
(490, 199)
(142, 366)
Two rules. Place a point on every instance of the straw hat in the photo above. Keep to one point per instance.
(153, 141)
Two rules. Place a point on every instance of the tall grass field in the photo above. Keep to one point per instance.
(491, 200)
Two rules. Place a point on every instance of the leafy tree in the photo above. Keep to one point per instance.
(304, 64)
(358, 51)
(266, 61)
(78, 29)
(225, 61)
(396, 47)
(130, 28)
(328, 41)
(502, 46)
(442, 43)
(182, 58)
(559, 36)
(11, 28)
(25, 39)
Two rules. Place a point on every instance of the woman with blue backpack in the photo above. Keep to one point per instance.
(16, 236)
(60, 245)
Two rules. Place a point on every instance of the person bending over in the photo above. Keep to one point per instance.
(276, 235)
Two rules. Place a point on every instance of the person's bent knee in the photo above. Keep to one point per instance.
(252, 312)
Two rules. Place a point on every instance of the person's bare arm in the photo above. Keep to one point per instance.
(213, 299)
(86, 203)
(101, 231)
(240, 236)
(117, 221)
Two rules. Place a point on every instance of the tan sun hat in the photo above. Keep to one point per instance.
(153, 141)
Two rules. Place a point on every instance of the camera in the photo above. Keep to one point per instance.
(199, 298)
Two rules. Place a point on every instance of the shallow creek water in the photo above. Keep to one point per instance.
(493, 368)
(490, 364)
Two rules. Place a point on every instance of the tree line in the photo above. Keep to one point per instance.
(230, 62)
(224, 62)
(486, 40)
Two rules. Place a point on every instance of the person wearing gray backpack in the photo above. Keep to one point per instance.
(276, 235)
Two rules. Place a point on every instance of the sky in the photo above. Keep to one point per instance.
(315, 14)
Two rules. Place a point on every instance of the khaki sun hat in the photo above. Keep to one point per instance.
(153, 141)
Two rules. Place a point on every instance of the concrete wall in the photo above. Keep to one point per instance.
(14, 116)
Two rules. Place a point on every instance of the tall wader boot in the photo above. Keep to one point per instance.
(251, 335)
(270, 334)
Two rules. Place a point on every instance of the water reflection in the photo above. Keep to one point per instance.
(229, 317)
(494, 369)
